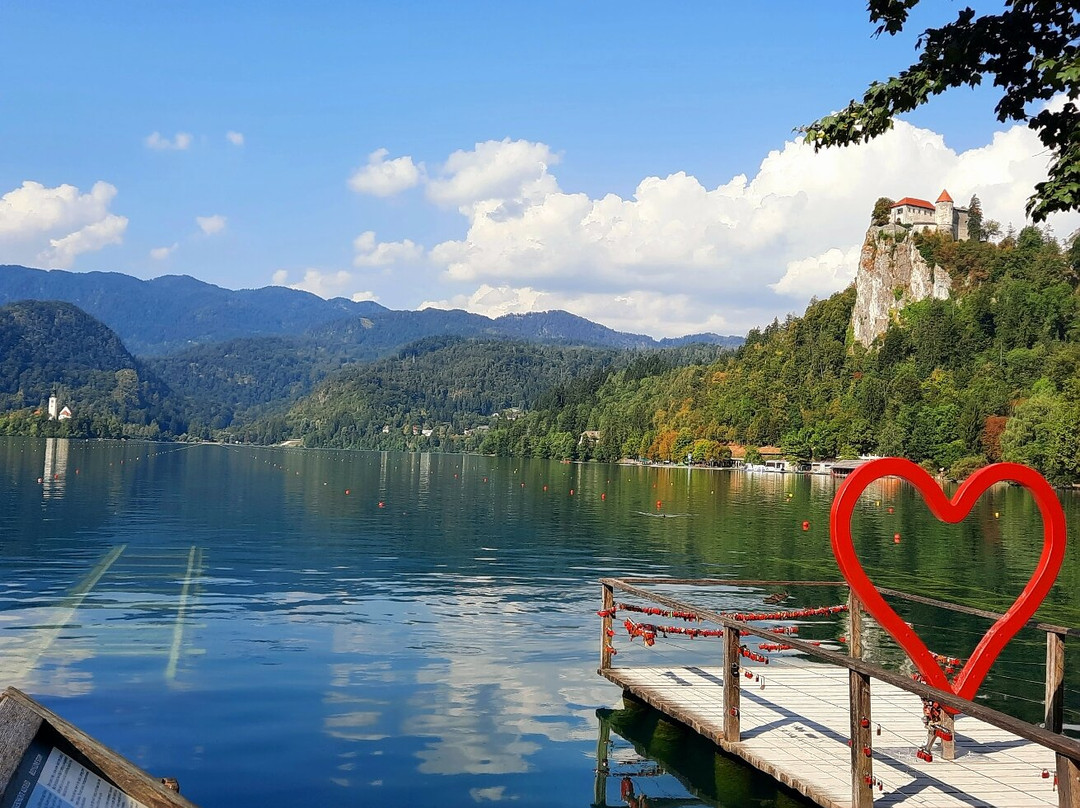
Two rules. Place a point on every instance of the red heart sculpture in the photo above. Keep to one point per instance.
(983, 657)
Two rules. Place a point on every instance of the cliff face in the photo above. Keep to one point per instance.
(892, 273)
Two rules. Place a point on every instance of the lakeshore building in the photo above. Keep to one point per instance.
(943, 216)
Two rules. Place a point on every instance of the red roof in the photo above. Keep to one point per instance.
(915, 203)
(944, 196)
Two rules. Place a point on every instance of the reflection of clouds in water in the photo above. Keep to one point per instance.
(494, 794)
(484, 711)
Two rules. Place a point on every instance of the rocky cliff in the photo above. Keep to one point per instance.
(892, 273)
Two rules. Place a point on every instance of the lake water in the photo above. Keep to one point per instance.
(277, 627)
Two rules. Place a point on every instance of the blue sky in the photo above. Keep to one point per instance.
(632, 163)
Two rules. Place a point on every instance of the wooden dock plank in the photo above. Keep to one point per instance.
(796, 729)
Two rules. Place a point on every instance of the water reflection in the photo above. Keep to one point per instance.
(419, 628)
(643, 759)
(54, 476)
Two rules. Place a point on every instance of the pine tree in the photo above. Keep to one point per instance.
(975, 219)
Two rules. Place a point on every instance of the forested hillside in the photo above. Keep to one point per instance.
(992, 374)
(442, 385)
(52, 348)
(443, 393)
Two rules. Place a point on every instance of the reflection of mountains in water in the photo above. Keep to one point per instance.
(712, 777)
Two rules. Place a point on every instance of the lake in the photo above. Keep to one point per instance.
(283, 626)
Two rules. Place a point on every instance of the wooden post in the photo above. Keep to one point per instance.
(856, 619)
(1068, 786)
(1055, 681)
(862, 764)
(608, 601)
(1067, 770)
(731, 684)
(948, 748)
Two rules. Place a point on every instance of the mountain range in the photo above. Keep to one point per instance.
(174, 312)
(204, 359)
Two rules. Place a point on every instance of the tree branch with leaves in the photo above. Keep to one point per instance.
(1030, 51)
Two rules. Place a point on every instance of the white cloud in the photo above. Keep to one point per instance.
(819, 275)
(62, 251)
(370, 253)
(211, 224)
(158, 142)
(325, 284)
(679, 256)
(507, 171)
(235, 138)
(161, 253)
(55, 225)
(382, 177)
(635, 311)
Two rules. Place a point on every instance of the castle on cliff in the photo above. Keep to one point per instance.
(943, 216)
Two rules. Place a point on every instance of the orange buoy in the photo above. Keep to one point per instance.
(571, 492)
(896, 538)
(346, 492)
(890, 510)
(382, 504)
(805, 525)
(485, 479)
(659, 504)
(545, 488)
(603, 496)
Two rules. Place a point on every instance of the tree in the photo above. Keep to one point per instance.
(883, 209)
(1029, 50)
(975, 219)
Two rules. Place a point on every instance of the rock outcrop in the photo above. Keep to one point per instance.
(892, 273)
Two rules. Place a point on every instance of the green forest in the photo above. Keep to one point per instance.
(53, 348)
(989, 375)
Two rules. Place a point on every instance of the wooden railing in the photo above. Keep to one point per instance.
(860, 674)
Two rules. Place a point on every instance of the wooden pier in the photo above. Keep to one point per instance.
(844, 732)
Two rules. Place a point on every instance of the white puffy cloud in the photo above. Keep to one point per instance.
(372, 253)
(325, 284)
(235, 138)
(52, 226)
(636, 311)
(382, 177)
(819, 275)
(688, 257)
(507, 171)
(211, 224)
(161, 253)
(158, 142)
(62, 251)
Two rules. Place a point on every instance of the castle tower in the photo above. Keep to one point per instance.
(943, 214)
